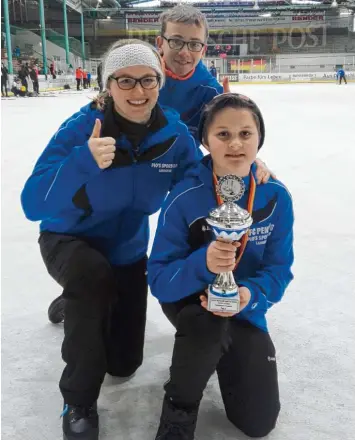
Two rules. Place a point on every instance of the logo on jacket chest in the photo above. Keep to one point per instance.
(164, 167)
(260, 234)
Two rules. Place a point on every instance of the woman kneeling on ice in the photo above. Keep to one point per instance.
(93, 189)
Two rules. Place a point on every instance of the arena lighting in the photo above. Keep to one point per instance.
(256, 6)
(108, 17)
(334, 4)
(265, 15)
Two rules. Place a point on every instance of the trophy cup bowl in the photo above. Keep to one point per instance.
(229, 222)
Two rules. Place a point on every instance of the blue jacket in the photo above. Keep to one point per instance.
(340, 73)
(177, 267)
(188, 97)
(70, 194)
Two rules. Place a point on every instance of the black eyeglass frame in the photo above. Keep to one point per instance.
(137, 80)
(184, 43)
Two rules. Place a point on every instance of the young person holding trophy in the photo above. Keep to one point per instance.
(217, 292)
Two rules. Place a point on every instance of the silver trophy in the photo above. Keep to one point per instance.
(229, 222)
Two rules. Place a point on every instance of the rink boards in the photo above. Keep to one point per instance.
(285, 78)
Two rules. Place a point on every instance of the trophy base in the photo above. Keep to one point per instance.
(223, 302)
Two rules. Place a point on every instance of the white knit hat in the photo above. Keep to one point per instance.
(132, 55)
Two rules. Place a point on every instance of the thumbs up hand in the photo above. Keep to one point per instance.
(102, 149)
(226, 88)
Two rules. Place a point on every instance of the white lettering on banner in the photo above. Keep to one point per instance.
(348, 75)
(143, 20)
(228, 20)
(232, 78)
(302, 76)
(254, 77)
(329, 75)
(319, 17)
(289, 77)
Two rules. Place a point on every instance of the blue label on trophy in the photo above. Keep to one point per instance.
(228, 235)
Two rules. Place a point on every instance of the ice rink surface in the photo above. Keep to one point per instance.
(310, 144)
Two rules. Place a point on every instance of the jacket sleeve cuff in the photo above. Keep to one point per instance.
(85, 160)
(253, 303)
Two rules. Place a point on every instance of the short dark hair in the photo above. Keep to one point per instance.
(185, 14)
(229, 100)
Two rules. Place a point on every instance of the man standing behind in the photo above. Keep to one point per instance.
(189, 86)
(182, 43)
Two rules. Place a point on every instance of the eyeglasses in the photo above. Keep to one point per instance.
(128, 83)
(178, 44)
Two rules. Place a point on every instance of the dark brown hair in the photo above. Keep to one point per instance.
(229, 100)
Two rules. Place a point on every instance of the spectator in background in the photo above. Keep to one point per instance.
(213, 70)
(78, 77)
(34, 78)
(4, 79)
(85, 79)
(17, 52)
(89, 79)
(23, 74)
(30, 87)
(341, 76)
(99, 76)
(17, 88)
(52, 70)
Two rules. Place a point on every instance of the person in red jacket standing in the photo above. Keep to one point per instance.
(78, 77)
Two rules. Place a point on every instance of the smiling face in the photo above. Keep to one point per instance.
(181, 62)
(137, 103)
(232, 140)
